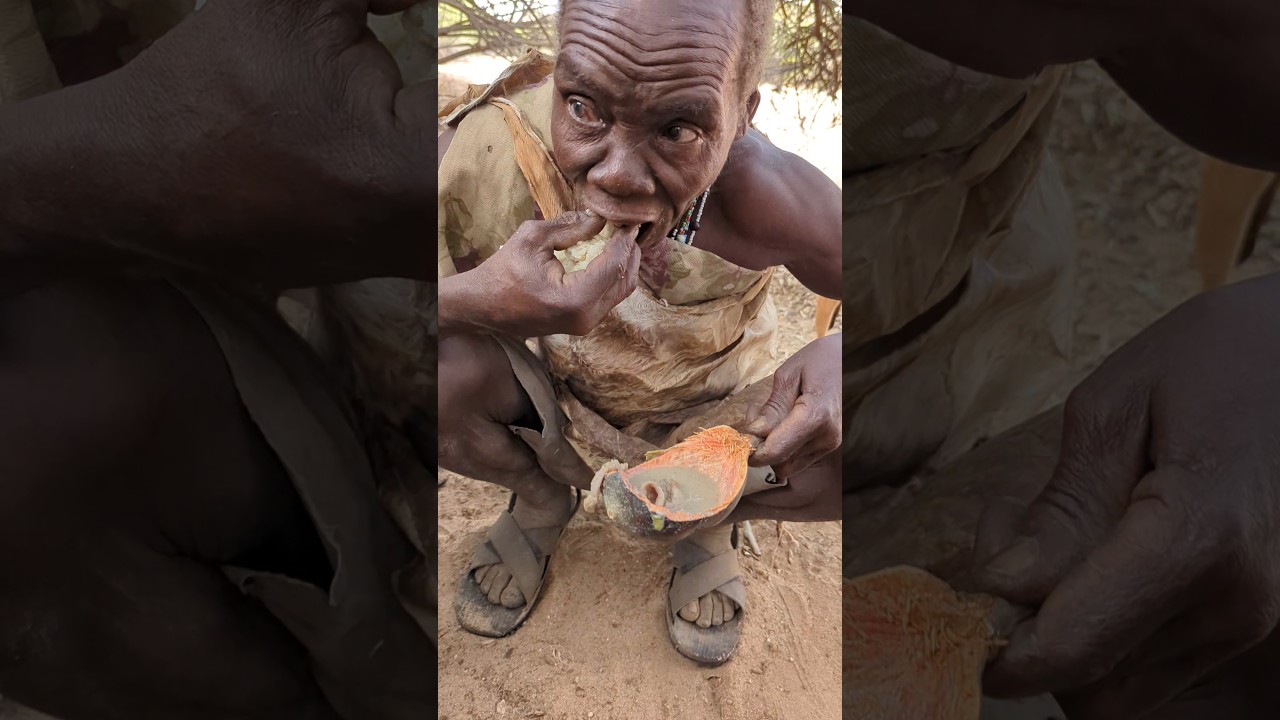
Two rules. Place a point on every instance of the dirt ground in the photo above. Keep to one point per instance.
(596, 646)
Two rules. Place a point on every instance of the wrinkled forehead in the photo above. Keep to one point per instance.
(662, 43)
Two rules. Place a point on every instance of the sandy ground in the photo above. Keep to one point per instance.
(596, 645)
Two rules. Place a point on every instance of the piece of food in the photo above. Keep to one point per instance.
(577, 257)
(914, 649)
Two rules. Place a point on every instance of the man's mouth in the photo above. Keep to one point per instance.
(649, 225)
(643, 236)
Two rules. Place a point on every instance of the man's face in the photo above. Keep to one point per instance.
(647, 104)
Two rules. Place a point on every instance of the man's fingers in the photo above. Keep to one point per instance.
(1134, 695)
(782, 397)
(787, 438)
(1241, 617)
(800, 462)
(1104, 454)
(415, 110)
(571, 228)
(997, 528)
(566, 230)
(1126, 589)
(613, 274)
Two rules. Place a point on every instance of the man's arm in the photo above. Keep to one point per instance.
(192, 157)
(56, 188)
(523, 291)
(1206, 70)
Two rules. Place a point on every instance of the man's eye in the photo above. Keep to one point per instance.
(579, 110)
(679, 134)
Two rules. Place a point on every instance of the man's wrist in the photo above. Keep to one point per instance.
(61, 194)
(462, 307)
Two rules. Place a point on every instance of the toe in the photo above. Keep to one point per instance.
(500, 578)
(512, 597)
(689, 612)
(730, 608)
(484, 578)
(704, 611)
(717, 610)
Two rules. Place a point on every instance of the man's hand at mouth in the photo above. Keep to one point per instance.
(523, 289)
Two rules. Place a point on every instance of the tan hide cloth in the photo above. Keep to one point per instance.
(659, 356)
(958, 246)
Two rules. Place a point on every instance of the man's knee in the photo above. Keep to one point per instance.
(105, 390)
(70, 402)
(477, 385)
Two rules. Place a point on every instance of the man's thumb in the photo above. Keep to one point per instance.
(786, 389)
(572, 228)
(1022, 554)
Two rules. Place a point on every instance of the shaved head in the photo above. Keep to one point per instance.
(752, 29)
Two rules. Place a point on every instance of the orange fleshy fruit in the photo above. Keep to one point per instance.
(694, 483)
(914, 649)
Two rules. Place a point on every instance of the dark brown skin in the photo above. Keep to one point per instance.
(523, 290)
(131, 470)
(642, 127)
(1204, 69)
(884, 529)
(1152, 553)
(192, 155)
(114, 516)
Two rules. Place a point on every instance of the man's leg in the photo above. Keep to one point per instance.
(480, 399)
(131, 472)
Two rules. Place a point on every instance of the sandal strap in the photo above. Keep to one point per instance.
(524, 551)
(698, 572)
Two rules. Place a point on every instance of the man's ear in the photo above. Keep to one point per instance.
(753, 104)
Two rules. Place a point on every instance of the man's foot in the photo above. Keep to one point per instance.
(714, 608)
(706, 597)
(496, 581)
(506, 573)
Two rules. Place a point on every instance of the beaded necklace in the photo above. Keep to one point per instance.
(689, 225)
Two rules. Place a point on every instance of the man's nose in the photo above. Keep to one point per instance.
(622, 173)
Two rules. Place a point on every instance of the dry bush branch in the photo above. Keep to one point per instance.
(806, 45)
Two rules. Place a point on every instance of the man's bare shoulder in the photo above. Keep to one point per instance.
(779, 199)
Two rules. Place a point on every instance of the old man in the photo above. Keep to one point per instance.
(643, 122)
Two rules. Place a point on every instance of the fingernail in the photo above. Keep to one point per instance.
(1006, 676)
(1020, 649)
(1015, 560)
